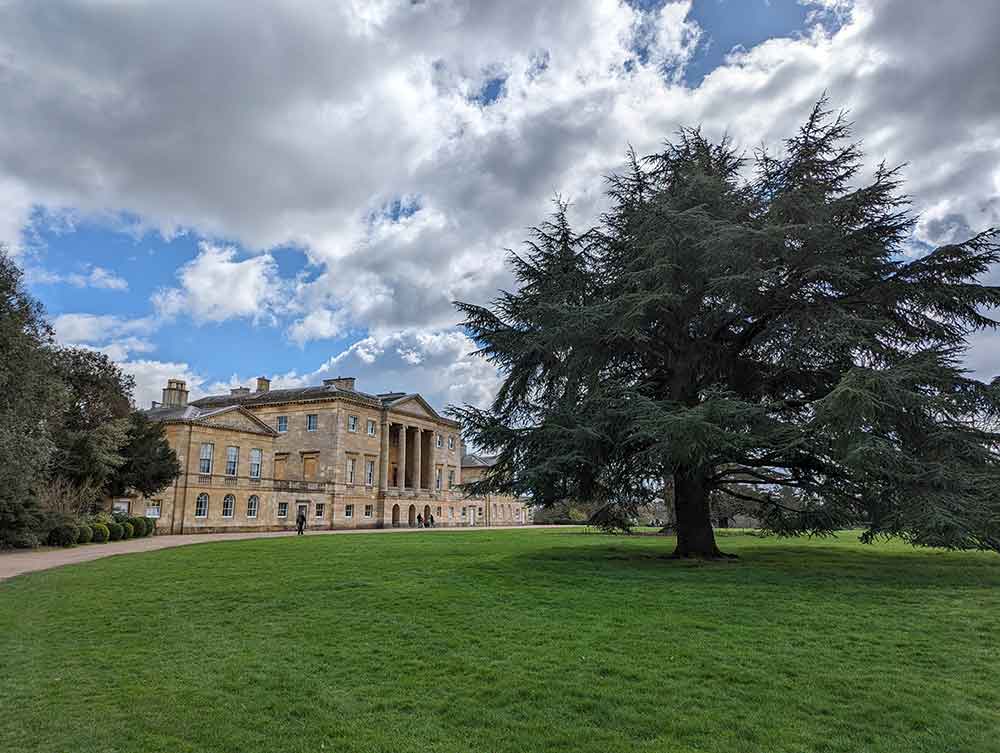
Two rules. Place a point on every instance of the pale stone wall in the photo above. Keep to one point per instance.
(332, 443)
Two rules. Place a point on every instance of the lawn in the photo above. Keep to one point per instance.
(534, 640)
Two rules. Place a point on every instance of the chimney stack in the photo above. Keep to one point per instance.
(175, 393)
(341, 383)
(263, 384)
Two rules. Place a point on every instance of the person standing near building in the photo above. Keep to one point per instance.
(300, 521)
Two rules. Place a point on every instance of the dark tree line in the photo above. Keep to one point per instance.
(766, 340)
(68, 432)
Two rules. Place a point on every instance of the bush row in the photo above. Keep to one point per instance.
(101, 529)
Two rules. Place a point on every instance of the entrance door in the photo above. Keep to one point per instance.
(412, 517)
(395, 516)
(302, 507)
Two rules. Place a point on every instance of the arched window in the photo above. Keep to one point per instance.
(252, 504)
(201, 506)
(228, 506)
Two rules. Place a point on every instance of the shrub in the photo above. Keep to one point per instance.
(127, 530)
(63, 535)
(115, 531)
(101, 533)
(103, 517)
(85, 534)
(20, 540)
(138, 527)
(150, 526)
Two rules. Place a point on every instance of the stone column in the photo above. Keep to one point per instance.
(432, 483)
(402, 456)
(418, 435)
(383, 478)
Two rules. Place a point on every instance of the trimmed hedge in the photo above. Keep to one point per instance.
(138, 526)
(115, 531)
(101, 533)
(150, 526)
(128, 531)
(84, 534)
(63, 535)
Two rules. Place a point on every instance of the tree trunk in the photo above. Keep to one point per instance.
(695, 537)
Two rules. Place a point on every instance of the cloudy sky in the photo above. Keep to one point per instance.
(212, 193)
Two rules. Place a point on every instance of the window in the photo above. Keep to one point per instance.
(120, 505)
(451, 513)
(256, 457)
(312, 422)
(348, 511)
(371, 428)
(352, 423)
(320, 509)
(309, 465)
(438, 441)
(437, 479)
(451, 479)
(350, 470)
(280, 461)
(252, 504)
(369, 511)
(282, 509)
(494, 509)
(232, 460)
(439, 511)
(282, 424)
(228, 506)
(464, 513)
(369, 472)
(205, 462)
(451, 443)
(153, 508)
(201, 506)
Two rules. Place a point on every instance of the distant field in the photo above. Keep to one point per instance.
(532, 640)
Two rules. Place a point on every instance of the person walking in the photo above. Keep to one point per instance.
(300, 521)
(430, 520)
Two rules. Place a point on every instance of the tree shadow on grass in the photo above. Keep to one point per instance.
(839, 566)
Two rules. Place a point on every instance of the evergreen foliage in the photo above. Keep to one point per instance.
(150, 464)
(771, 340)
(30, 396)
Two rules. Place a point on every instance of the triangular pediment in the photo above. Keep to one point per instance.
(237, 419)
(414, 405)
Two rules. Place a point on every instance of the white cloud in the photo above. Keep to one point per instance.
(215, 287)
(151, 377)
(322, 324)
(315, 124)
(95, 277)
(437, 364)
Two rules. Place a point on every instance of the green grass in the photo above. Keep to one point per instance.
(536, 640)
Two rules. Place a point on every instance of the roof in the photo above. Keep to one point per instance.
(194, 414)
(288, 395)
(472, 460)
(317, 393)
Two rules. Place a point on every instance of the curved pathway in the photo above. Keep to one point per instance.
(16, 563)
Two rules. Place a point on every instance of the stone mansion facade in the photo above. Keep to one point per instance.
(250, 460)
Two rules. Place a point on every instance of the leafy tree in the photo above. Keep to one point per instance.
(95, 423)
(738, 337)
(30, 394)
(150, 463)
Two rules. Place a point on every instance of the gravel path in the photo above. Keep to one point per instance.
(16, 563)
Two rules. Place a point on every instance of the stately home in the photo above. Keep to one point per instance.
(250, 460)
